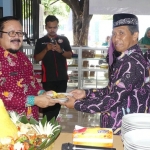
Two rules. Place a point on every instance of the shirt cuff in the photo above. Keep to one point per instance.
(41, 92)
(30, 101)
(88, 92)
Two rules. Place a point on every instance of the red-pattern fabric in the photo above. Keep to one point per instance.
(17, 81)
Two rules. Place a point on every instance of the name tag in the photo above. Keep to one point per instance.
(13, 73)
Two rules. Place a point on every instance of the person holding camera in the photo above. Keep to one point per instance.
(53, 50)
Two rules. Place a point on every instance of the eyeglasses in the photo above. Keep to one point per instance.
(13, 33)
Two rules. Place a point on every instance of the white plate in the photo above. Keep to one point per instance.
(138, 138)
(62, 99)
(137, 119)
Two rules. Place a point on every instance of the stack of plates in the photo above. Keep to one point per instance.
(138, 139)
(135, 121)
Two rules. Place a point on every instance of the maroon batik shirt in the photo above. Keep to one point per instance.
(17, 82)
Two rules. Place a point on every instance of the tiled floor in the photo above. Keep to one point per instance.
(68, 118)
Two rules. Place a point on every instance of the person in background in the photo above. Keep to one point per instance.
(129, 87)
(106, 41)
(145, 41)
(147, 57)
(19, 89)
(53, 50)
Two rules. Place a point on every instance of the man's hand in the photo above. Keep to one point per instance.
(49, 47)
(56, 47)
(78, 94)
(48, 92)
(44, 101)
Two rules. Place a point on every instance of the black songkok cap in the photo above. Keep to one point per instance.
(124, 19)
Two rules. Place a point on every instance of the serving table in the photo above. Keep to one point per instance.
(67, 138)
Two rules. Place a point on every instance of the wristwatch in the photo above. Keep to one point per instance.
(62, 51)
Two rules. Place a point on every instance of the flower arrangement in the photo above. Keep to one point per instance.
(43, 135)
(32, 134)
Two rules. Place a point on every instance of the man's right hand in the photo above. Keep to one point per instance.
(44, 101)
(78, 94)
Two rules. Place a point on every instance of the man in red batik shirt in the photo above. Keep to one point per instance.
(19, 89)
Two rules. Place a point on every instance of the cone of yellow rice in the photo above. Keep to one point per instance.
(7, 127)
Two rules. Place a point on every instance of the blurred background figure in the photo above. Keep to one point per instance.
(53, 50)
(106, 43)
(145, 41)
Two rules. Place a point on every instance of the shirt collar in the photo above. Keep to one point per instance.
(53, 36)
(130, 51)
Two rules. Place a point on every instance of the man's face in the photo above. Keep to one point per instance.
(123, 39)
(51, 28)
(148, 34)
(12, 44)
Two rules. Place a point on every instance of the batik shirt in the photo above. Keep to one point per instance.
(17, 82)
(127, 91)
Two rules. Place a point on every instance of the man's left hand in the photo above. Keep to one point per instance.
(56, 47)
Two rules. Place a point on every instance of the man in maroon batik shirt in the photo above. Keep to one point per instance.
(19, 89)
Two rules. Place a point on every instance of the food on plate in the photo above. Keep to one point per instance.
(58, 96)
(25, 128)
(54, 93)
(7, 127)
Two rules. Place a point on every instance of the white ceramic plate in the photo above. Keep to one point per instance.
(137, 119)
(138, 138)
(62, 99)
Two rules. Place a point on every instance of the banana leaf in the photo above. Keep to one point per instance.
(53, 138)
(42, 146)
(24, 119)
(33, 121)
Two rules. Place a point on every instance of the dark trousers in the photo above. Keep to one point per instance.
(59, 87)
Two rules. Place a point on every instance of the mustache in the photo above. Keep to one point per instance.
(15, 40)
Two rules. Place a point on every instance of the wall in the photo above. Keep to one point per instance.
(1, 3)
(7, 7)
(138, 7)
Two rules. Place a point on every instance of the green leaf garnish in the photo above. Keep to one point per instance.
(33, 121)
(24, 120)
(44, 120)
